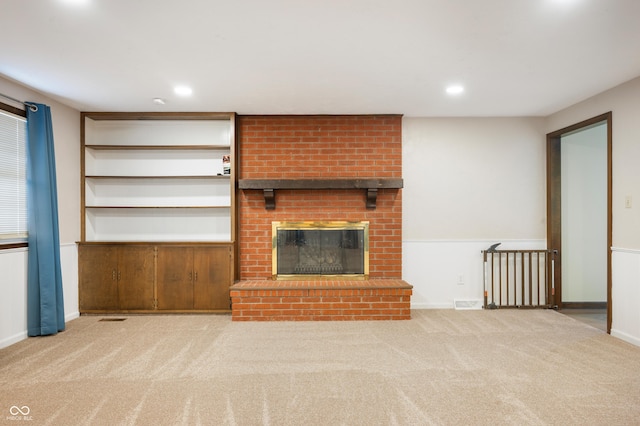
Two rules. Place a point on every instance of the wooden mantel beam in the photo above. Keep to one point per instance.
(371, 185)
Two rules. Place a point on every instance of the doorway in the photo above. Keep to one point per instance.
(572, 221)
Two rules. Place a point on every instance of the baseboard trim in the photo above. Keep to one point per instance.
(72, 316)
(13, 339)
(626, 337)
(18, 337)
(625, 250)
(584, 305)
(431, 306)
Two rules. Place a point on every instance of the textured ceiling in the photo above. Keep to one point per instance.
(514, 57)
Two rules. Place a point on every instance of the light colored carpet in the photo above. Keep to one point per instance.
(443, 367)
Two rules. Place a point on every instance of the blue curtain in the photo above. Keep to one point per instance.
(45, 303)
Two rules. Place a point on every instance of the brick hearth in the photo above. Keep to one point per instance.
(321, 300)
(320, 147)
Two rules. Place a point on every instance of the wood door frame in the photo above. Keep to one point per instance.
(554, 212)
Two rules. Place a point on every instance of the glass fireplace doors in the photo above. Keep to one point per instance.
(320, 250)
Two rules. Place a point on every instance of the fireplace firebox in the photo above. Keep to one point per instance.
(320, 250)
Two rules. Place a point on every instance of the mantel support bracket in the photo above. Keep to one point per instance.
(372, 196)
(269, 198)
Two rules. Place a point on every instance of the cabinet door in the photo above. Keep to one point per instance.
(212, 277)
(97, 276)
(175, 278)
(135, 277)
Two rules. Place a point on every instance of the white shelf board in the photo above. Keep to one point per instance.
(157, 132)
(158, 224)
(149, 192)
(153, 163)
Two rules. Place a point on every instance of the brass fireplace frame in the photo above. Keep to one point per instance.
(318, 225)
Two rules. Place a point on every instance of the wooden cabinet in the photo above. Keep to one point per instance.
(116, 277)
(212, 279)
(194, 278)
(136, 274)
(175, 278)
(125, 277)
(97, 269)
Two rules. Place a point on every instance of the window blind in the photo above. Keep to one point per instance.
(13, 180)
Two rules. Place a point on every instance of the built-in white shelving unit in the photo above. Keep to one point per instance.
(157, 211)
(157, 177)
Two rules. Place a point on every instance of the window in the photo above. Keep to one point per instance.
(13, 180)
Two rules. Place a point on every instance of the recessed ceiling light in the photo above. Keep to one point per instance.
(455, 89)
(565, 1)
(75, 2)
(183, 90)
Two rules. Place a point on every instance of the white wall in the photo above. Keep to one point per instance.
(584, 215)
(625, 277)
(468, 183)
(624, 103)
(13, 284)
(13, 263)
(13, 279)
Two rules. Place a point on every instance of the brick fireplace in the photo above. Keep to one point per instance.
(320, 168)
